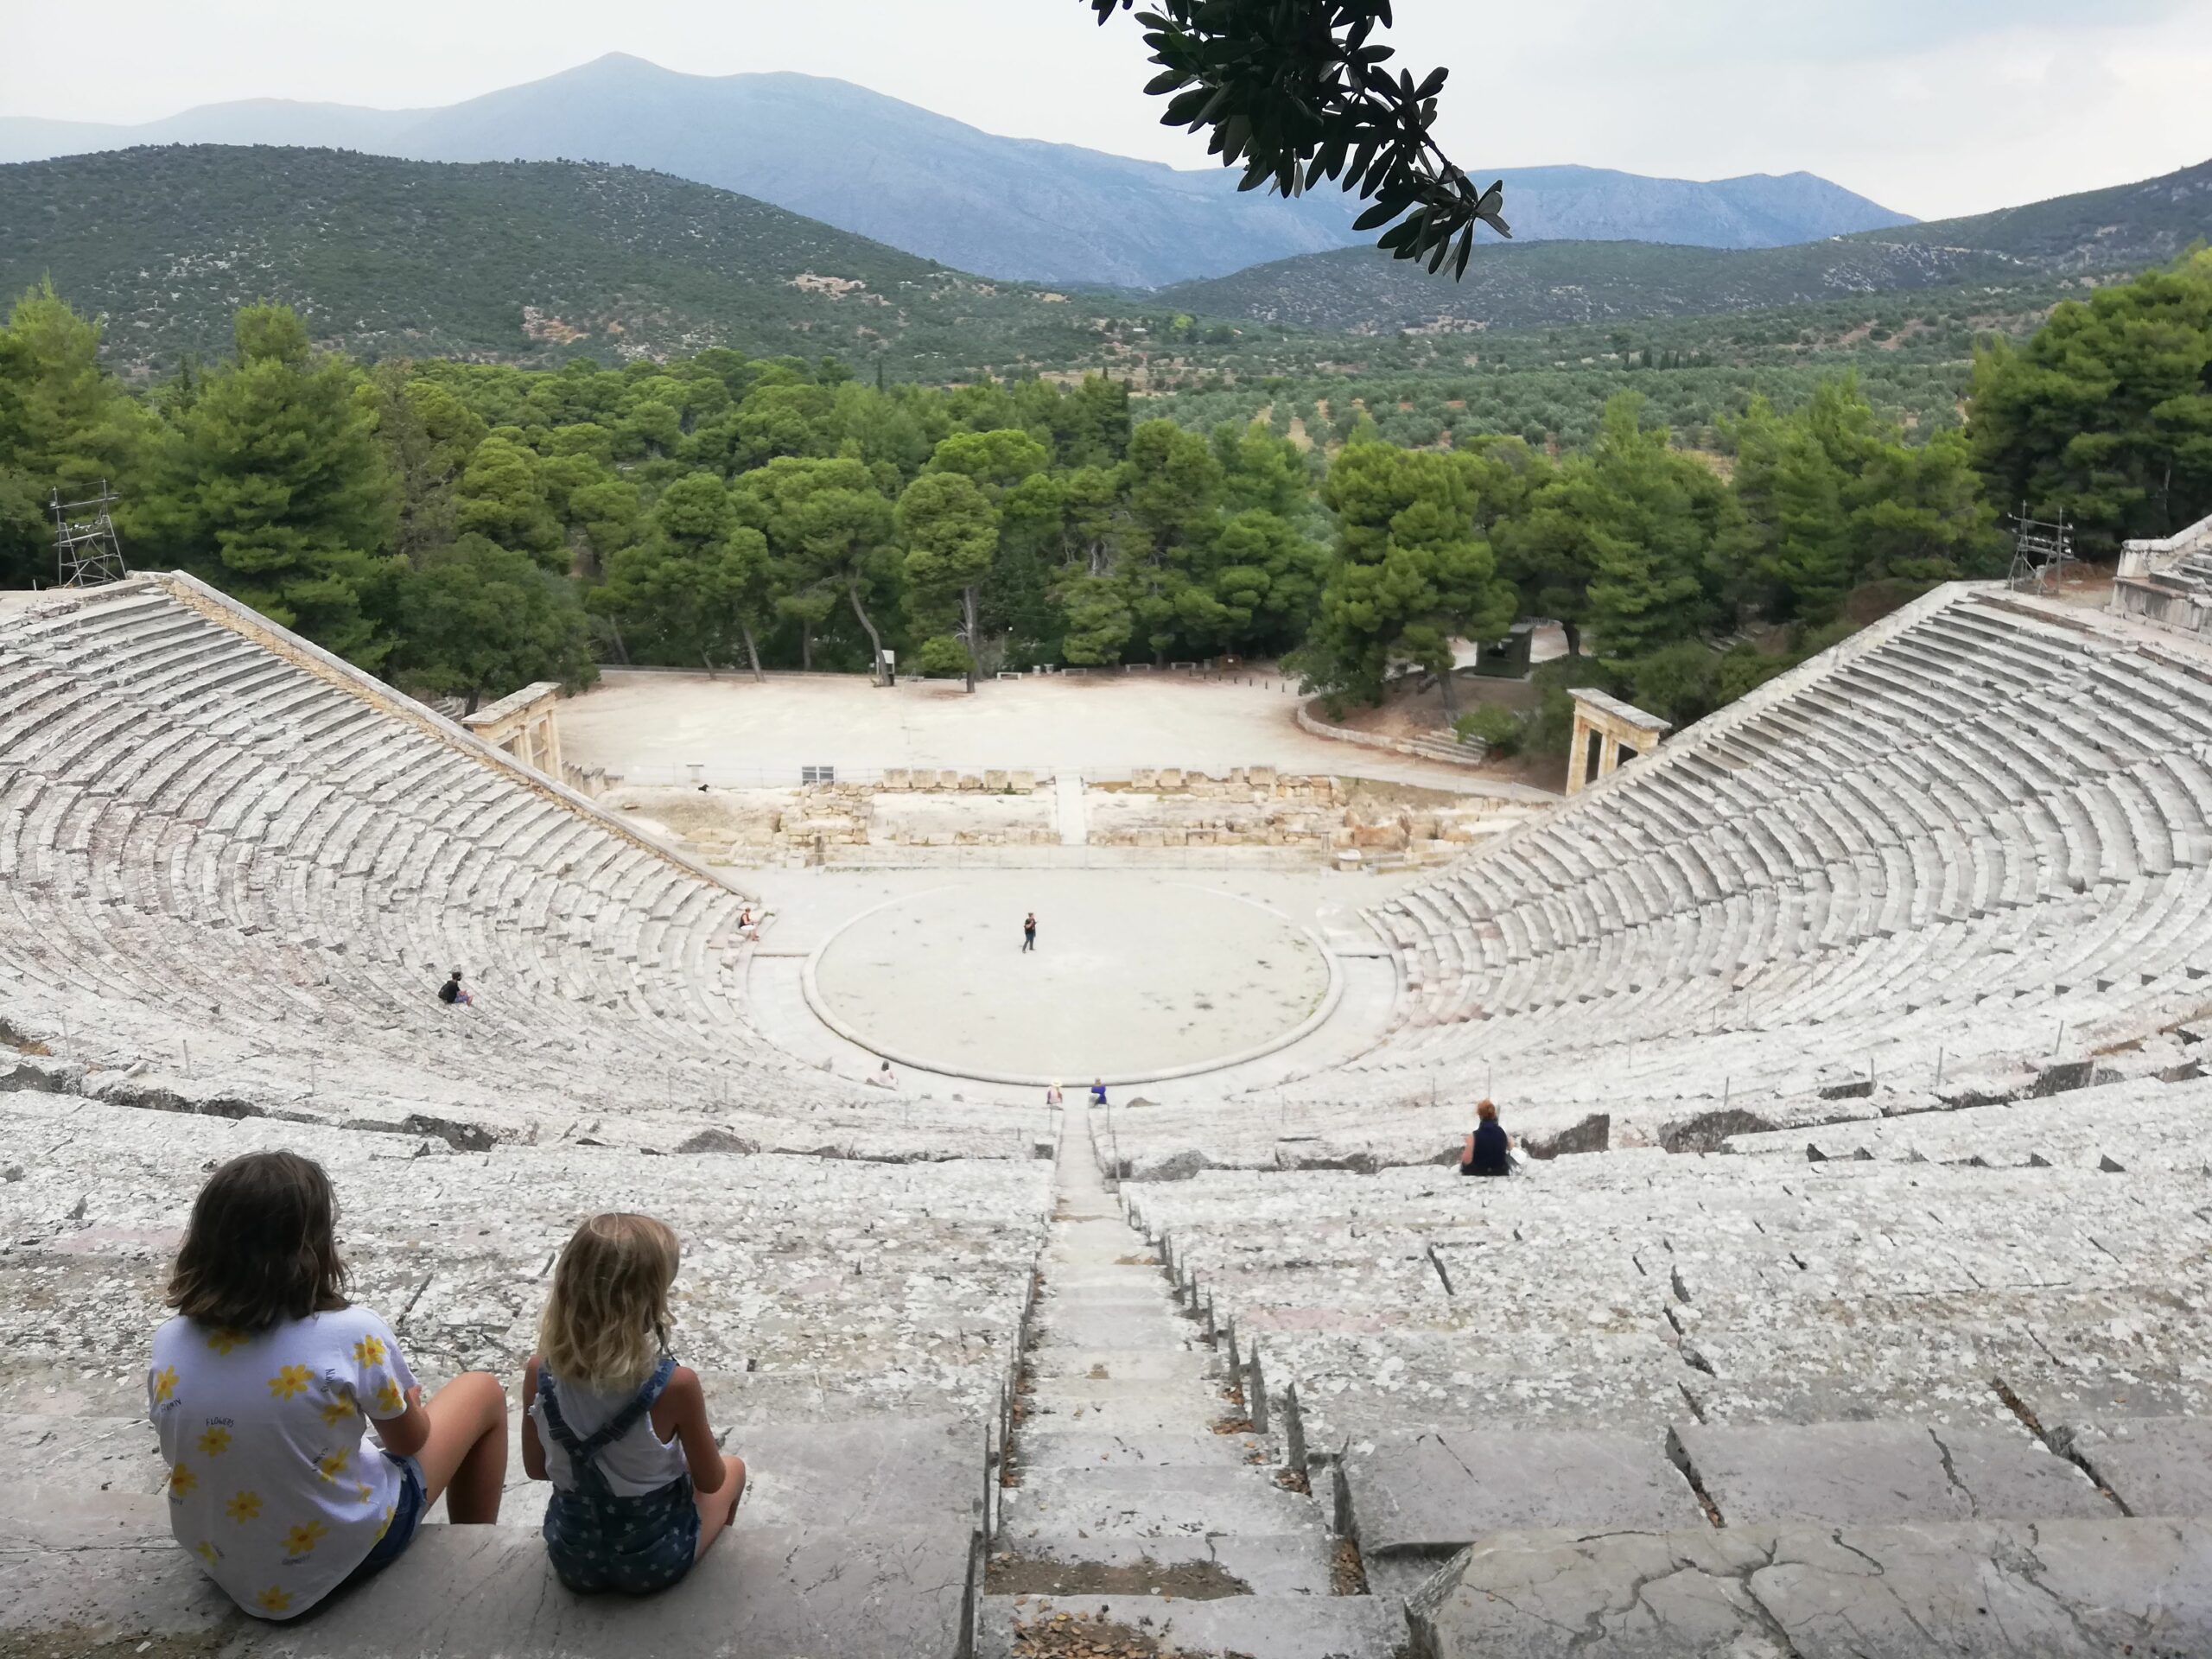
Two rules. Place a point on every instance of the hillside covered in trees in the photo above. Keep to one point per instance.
(468, 527)
(521, 263)
(1520, 285)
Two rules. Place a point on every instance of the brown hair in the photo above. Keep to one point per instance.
(1486, 1109)
(606, 1324)
(260, 1247)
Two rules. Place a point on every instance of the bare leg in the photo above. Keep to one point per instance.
(466, 1457)
(718, 1509)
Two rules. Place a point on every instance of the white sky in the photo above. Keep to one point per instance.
(1932, 107)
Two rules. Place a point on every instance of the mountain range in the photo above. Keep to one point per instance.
(1357, 290)
(1010, 209)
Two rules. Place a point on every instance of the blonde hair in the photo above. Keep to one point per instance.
(606, 1324)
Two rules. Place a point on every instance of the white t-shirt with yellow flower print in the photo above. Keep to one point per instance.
(274, 1483)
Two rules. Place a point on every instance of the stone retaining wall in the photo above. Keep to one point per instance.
(1163, 807)
(1449, 750)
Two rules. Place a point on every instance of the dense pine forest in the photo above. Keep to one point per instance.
(465, 527)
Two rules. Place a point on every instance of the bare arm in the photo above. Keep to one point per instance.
(409, 1432)
(681, 1413)
(533, 1449)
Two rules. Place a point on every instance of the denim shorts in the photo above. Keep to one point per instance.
(406, 1517)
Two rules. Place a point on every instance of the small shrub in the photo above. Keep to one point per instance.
(1496, 727)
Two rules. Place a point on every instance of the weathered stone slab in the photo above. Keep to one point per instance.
(1436, 1491)
(884, 1471)
(1967, 1590)
(2156, 1466)
(2056, 1588)
(1547, 1595)
(94, 1573)
(1860, 1474)
(486, 1592)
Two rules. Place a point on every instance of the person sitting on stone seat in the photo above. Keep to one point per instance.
(640, 1488)
(263, 1386)
(452, 994)
(1486, 1149)
(884, 1077)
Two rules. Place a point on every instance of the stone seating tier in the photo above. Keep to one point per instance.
(1649, 1290)
(225, 855)
(1974, 834)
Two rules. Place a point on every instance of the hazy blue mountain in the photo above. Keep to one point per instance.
(1005, 207)
(1519, 285)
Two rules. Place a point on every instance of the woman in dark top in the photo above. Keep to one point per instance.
(1486, 1144)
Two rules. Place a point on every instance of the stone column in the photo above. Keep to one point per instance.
(1577, 755)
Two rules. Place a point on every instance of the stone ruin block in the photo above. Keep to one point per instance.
(1170, 778)
(1144, 778)
(1261, 777)
(994, 782)
(1240, 777)
(897, 777)
(1022, 783)
(970, 781)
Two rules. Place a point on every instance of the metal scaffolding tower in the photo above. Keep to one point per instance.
(86, 552)
(2041, 551)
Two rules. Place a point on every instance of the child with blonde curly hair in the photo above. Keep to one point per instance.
(639, 1487)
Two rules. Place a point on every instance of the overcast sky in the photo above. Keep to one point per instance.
(1932, 107)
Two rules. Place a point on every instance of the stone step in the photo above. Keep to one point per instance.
(1428, 1494)
(1036, 1451)
(881, 1471)
(1125, 1365)
(1864, 1474)
(85, 1574)
(1277, 1627)
(1144, 1502)
(1066, 1558)
(1062, 1390)
(1115, 1325)
(1969, 1590)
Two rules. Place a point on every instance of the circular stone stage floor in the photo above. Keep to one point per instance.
(1135, 978)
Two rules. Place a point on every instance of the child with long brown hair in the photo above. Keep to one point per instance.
(264, 1385)
(639, 1487)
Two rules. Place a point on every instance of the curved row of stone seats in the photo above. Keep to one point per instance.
(1691, 1094)
(1645, 1290)
(348, 1085)
(1976, 831)
(2146, 1124)
(222, 850)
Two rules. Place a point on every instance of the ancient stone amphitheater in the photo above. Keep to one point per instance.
(1854, 1301)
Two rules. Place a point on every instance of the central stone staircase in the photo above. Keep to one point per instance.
(1143, 1509)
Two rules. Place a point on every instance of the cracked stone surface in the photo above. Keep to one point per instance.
(1437, 1492)
(2055, 1590)
(2155, 1465)
(1856, 1474)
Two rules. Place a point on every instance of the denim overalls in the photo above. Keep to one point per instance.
(600, 1542)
